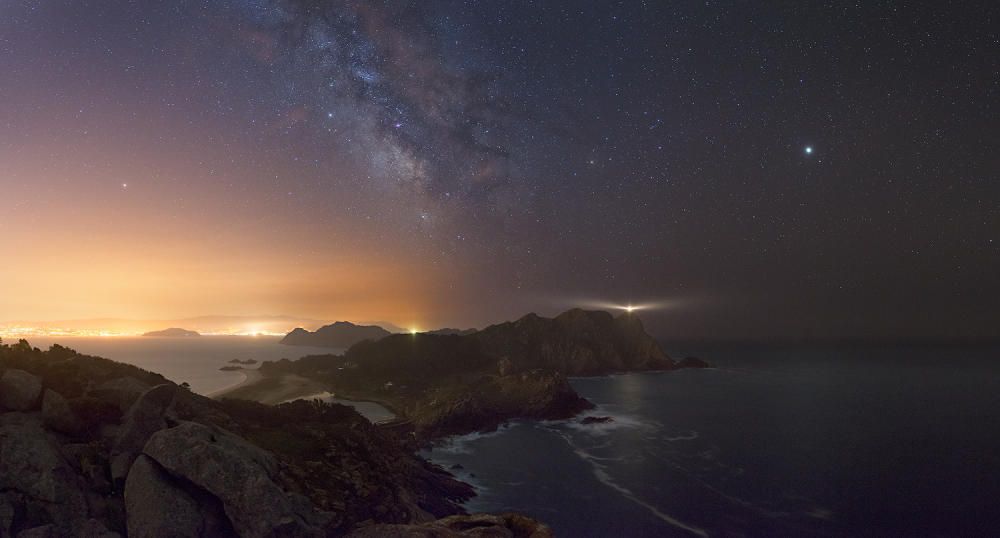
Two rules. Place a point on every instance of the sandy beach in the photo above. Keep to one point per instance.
(271, 390)
(249, 377)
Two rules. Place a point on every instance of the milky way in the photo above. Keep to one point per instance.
(772, 170)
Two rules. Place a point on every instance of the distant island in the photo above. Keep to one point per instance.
(342, 334)
(247, 361)
(173, 332)
(446, 384)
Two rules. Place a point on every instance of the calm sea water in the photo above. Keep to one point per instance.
(777, 441)
(192, 360)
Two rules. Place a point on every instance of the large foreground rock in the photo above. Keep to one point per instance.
(19, 390)
(32, 467)
(478, 526)
(121, 391)
(57, 413)
(240, 475)
(157, 506)
(144, 418)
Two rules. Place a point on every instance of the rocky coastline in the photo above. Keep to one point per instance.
(98, 449)
(452, 384)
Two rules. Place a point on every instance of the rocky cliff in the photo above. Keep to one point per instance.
(576, 343)
(341, 334)
(450, 384)
(94, 448)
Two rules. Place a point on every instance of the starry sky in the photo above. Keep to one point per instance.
(746, 169)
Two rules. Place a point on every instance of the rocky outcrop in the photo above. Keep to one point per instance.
(203, 467)
(19, 390)
(341, 334)
(46, 488)
(452, 384)
(58, 415)
(122, 391)
(196, 466)
(144, 418)
(576, 343)
(596, 420)
(157, 506)
(478, 526)
(486, 403)
(693, 362)
(240, 475)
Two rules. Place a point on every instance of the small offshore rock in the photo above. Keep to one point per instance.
(596, 420)
(693, 362)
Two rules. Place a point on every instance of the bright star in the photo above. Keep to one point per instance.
(809, 150)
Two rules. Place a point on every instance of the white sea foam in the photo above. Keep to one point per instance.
(602, 476)
(459, 444)
(619, 421)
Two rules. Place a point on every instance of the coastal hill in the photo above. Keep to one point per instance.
(342, 334)
(453, 384)
(576, 343)
(173, 332)
(91, 447)
(448, 330)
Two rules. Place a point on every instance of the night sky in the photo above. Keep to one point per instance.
(751, 169)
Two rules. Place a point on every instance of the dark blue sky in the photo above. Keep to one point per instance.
(535, 155)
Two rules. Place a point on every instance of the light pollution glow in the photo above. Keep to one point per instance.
(64, 258)
(16, 332)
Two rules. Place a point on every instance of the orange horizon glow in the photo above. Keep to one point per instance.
(76, 257)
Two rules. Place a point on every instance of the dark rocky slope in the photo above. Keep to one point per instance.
(342, 334)
(94, 448)
(452, 384)
(576, 343)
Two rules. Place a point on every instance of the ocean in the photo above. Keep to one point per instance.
(195, 360)
(775, 441)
